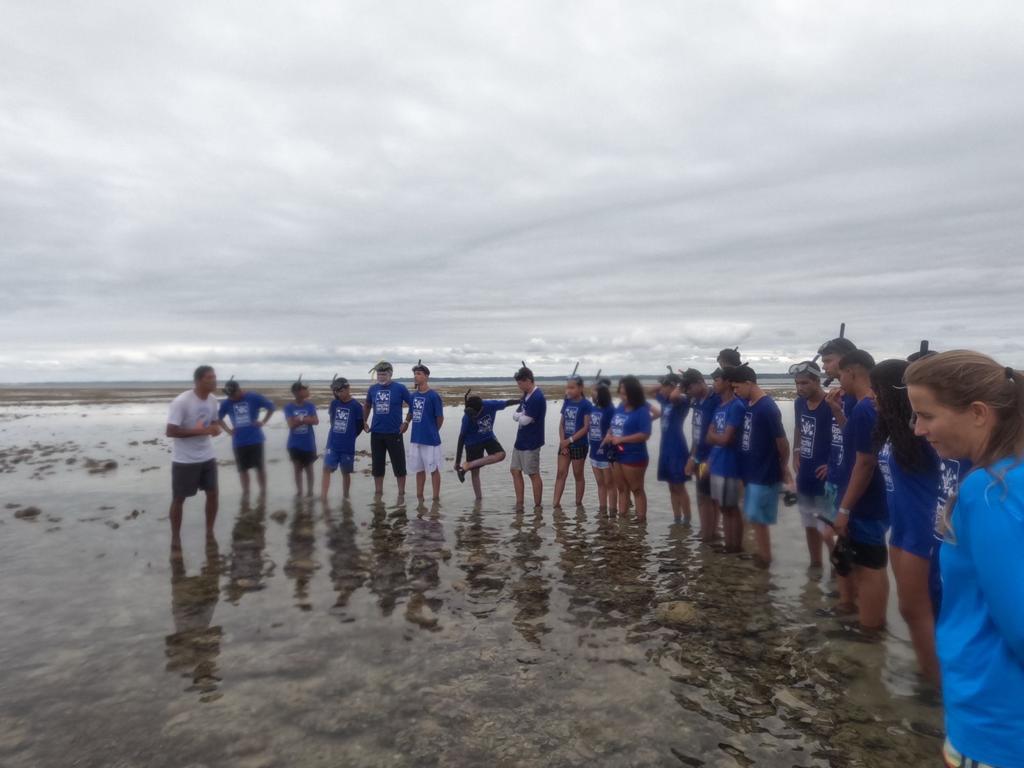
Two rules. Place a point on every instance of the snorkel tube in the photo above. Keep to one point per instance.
(231, 386)
(298, 385)
(922, 352)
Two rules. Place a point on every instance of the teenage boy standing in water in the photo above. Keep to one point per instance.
(724, 460)
(301, 417)
(863, 514)
(246, 430)
(529, 438)
(384, 402)
(812, 444)
(704, 403)
(763, 457)
(426, 414)
(191, 422)
(345, 416)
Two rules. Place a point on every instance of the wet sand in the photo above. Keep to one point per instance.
(385, 633)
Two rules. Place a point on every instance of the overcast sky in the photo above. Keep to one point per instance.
(278, 188)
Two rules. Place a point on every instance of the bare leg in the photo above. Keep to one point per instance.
(309, 480)
(563, 473)
(297, 469)
(421, 481)
(378, 485)
(732, 524)
(622, 489)
(611, 489)
(709, 512)
(911, 574)
(763, 537)
(211, 511)
(325, 485)
(873, 595)
(474, 475)
(435, 483)
(814, 546)
(578, 476)
(494, 458)
(538, 489)
(520, 487)
(346, 483)
(634, 477)
(261, 480)
(401, 485)
(602, 491)
(175, 514)
(243, 476)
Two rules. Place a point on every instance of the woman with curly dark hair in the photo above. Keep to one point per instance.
(910, 468)
(627, 437)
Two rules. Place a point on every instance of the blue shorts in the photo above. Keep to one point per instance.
(761, 503)
(672, 468)
(868, 531)
(913, 531)
(334, 459)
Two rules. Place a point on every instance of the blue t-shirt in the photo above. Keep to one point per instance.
(426, 407)
(302, 437)
(386, 407)
(858, 437)
(481, 429)
(673, 439)
(244, 414)
(703, 415)
(724, 459)
(909, 495)
(626, 423)
(760, 462)
(980, 634)
(600, 423)
(346, 424)
(814, 433)
(531, 436)
(837, 454)
(574, 412)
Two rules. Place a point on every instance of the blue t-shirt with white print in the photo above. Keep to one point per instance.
(386, 407)
(302, 437)
(724, 459)
(426, 408)
(573, 413)
(481, 429)
(244, 414)
(346, 424)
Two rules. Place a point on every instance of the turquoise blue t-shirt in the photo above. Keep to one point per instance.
(980, 634)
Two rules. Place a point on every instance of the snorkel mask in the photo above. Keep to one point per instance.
(231, 387)
(383, 369)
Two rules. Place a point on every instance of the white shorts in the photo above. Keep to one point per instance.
(424, 458)
(726, 490)
(598, 464)
(810, 507)
(527, 462)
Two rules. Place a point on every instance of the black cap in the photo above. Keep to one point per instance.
(671, 380)
(421, 367)
(837, 346)
(692, 376)
(717, 373)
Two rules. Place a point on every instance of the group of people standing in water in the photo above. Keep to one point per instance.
(915, 462)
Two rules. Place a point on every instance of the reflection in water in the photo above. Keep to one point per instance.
(193, 648)
(248, 568)
(349, 569)
(478, 544)
(301, 547)
(425, 539)
(387, 573)
(530, 591)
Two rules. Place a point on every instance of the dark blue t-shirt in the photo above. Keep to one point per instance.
(574, 412)
(426, 407)
(481, 429)
(951, 473)
(673, 439)
(814, 444)
(386, 407)
(626, 423)
(600, 423)
(346, 424)
(703, 415)
(858, 437)
(531, 436)
(910, 495)
(760, 463)
(244, 414)
(724, 459)
(302, 437)
(836, 457)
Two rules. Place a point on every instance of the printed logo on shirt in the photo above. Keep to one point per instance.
(382, 402)
(570, 419)
(341, 418)
(486, 423)
(697, 423)
(884, 457)
(666, 415)
(618, 424)
(595, 425)
(748, 426)
(242, 418)
(418, 404)
(837, 444)
(302, 428)
(808, 429)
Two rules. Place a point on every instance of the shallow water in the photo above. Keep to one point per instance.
(402, 634)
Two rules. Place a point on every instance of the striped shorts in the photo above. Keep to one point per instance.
(955, 760)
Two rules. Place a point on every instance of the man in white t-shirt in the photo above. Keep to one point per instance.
(192, 422)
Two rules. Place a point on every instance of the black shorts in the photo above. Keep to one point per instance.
(188, 479)
(703, 483)
(392, 445)
(874, 556)
(578, 451)
(301, 457)
(491, 447)
(249, 457)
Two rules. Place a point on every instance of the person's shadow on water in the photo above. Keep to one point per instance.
(193, 649)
